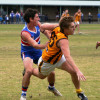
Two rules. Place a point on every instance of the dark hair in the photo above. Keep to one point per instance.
(65, 23)
(29, 13)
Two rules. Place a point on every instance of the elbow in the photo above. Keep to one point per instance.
(67, 57)
(42, 28)
(35, 46)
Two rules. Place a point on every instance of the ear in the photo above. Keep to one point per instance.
(31, 19)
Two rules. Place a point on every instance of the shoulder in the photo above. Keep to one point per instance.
(76, 13)
(61, 36)
(61, 40)
(63, 14)
(25, 33)
(57, 29)
(39, 24)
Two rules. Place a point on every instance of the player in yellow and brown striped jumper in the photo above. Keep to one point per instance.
(53, 53)
(57, 55)
(77, 18)
(65, 14)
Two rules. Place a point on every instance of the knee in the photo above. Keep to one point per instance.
(42, 77)
(52, 74)
(28, 72)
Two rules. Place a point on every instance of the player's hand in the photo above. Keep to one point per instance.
(81, 76)
(75, 26)
(97, 44)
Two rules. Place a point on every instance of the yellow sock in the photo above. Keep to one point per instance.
(78, 90)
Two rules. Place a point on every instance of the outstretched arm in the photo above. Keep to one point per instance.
(46, 28)
(64, 45)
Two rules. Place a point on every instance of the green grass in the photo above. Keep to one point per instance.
(83, 52)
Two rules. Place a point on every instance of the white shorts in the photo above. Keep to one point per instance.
(47, 68)
(77, 22)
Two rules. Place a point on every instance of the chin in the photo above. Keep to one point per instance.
(71, 33)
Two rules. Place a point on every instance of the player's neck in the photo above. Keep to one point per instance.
(31, 27)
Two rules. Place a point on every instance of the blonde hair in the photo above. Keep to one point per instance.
(65, 23)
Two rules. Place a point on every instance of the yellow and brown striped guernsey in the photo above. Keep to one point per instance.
(52, 53)
(56, 30)
(65, 15)
(78, 17)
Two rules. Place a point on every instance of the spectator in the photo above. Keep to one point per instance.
(82, 16)
(0, 12)
(57, 16)
(63, 12)
(90, 17)
(46, 17)
(12, 17)
(21, 16)
(98, 17)
(1, 19)
(17, 17)
(40, 16)
(7, 19)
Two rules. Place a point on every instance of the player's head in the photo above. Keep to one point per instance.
(66, 11)
(67, 25)
(30, 13)
(79, 10)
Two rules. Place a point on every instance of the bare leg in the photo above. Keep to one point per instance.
(38, 74)
(76, 82)
(28, 63)
(78, 28)
(68, 68)
(51, 78)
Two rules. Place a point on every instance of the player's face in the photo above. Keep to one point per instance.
(66, 11)
(70, 30)
(36, 19)
(79, 11)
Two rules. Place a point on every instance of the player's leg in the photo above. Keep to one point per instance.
(65, 66)
(78, 27)
(51, 87)
(51, 78)
(28, 65)
(75, 26)
(47, 69)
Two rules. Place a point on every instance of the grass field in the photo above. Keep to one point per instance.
(83, 52)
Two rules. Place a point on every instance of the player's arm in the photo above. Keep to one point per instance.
(80, 18)
(45, 32)
(47, 27)
(26, 36)
(75, 15)
(64, 45)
